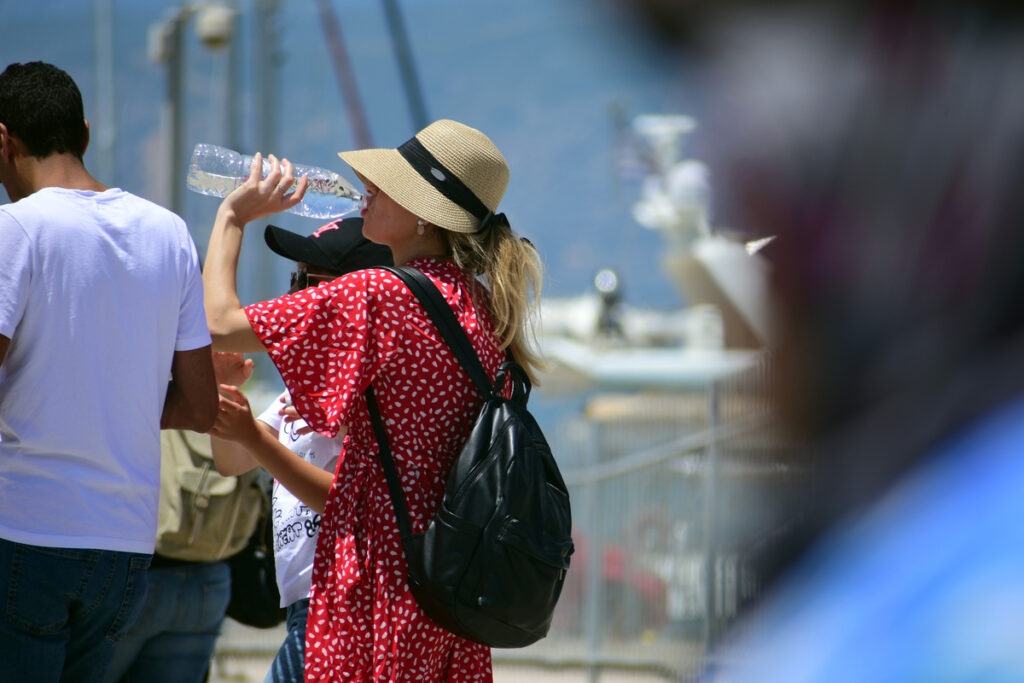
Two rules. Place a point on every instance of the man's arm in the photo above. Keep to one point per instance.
(192, 393)
(4, 343)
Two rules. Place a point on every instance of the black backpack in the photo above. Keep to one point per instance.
(491, 563)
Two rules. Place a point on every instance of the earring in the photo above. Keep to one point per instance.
(420, 227)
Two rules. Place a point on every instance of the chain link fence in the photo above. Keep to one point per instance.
(667, 492)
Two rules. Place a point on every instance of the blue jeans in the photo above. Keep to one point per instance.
(288, 664)
(173, 639)
(65, 610)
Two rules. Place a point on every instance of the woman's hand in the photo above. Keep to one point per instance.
(257, 197)
(235, 421)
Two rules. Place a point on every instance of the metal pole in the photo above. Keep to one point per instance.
(710, 539)
(232, 134)
(406, 63)
(176, 96)
(265, 60)
(104, 126)
(593, 596)
(343, 72)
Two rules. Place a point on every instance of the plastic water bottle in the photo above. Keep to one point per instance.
(216, 171)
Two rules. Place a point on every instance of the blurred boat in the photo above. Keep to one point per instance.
(598, 341)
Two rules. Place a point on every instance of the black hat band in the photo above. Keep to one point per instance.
(444, 181)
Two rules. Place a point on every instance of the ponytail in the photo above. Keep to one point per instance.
(512, 271)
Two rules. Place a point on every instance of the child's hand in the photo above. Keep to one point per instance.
(290, 414)
(234, 417)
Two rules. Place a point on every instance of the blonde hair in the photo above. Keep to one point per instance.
(512, 271)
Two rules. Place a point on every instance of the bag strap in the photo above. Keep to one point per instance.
(457, 339)
(390, 472)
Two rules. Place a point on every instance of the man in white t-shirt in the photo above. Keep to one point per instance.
(103, 341)
(333, 250)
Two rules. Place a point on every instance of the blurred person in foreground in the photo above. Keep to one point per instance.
(331, 251)
(101, 303)
(883, 144)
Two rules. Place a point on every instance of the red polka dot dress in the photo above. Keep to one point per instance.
(329, 343)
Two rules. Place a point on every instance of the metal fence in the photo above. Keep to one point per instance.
(667, 491)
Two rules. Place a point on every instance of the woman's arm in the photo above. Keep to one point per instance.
(253, 199)
(235, 421)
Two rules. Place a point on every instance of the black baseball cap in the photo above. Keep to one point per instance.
(338, 246)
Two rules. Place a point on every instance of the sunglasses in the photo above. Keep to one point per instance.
(301, 279)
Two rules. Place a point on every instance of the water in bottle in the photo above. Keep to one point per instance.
(216, 171)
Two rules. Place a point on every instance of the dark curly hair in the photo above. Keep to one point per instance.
(41, 106)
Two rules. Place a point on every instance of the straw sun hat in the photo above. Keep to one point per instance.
(449, 174)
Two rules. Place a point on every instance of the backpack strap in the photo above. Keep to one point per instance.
(390, 471)
(457, 339)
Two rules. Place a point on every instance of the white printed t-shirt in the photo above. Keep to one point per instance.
(97, 291)
(295, 523)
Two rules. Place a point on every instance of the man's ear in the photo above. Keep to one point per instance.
(85, 145)
(10, 145)
(5, 142)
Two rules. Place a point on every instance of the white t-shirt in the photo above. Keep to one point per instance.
(295, 523)
(97, 291)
